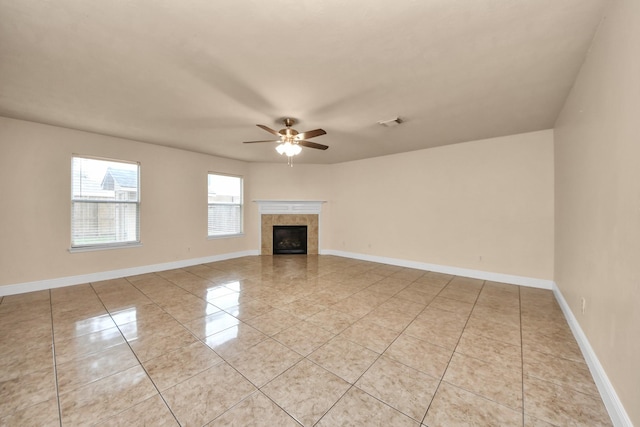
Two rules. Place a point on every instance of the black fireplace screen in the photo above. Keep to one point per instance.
(289, 239)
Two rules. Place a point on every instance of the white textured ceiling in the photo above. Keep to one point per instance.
(199, 74)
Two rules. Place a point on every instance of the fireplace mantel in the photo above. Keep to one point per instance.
(289, 206)
(289, 212)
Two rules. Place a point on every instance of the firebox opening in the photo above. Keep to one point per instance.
(289, 239)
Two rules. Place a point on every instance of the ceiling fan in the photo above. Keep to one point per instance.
(291, 140)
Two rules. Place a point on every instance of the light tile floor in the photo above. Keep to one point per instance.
(292, 340)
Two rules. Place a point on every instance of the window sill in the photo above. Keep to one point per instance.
(225, 236)
(104, 247)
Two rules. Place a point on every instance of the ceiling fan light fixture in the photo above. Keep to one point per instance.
(289, 149)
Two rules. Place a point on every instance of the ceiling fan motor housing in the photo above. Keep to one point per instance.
(288, 133)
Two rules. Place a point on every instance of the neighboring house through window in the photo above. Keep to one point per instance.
(225, 205)
(105, 201)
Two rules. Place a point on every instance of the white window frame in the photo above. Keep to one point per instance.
(75, 247)
(240, 206)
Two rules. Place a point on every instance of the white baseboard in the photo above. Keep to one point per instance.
(457, 271)
(39, 285)
(619, 416)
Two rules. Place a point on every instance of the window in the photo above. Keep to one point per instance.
(105, 203)
(225, 205)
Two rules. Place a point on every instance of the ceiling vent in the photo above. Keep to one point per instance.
(390, 123)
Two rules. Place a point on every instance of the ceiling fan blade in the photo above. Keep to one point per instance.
(268, 129)
(311, 134)
(269, 140)
(310, 144)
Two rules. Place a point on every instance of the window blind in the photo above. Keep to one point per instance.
(224, 205)
(105, 202)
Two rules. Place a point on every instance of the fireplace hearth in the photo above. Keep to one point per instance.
(289, 239)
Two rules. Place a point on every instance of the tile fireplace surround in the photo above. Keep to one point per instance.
(286, 212)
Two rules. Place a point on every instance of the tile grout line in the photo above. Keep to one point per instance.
(482, 360)
(394, 340)
(251, 394)
(55, 365)
(445, 369)
(137, 358)
(352, 385)
(454, 349)
(485, 361)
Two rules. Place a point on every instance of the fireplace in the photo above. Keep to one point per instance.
(289, 212)
(289, 239)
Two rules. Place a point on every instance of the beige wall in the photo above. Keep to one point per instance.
(35, 180)
(450, 205)
(484, 205)
(597, 159)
